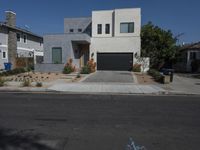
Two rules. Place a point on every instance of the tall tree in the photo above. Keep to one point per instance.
(158, 44)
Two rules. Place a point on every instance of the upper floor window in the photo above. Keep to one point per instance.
(71, 30)
(99, 29)
(25, 38)
(107, 29)
(79, 30)
(127, 27)
(18, 37)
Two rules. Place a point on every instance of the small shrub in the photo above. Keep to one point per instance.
(26, 83)
(2, 82)
(156, 75)
(39, 84)
(85, 70)
(69, 68)
(78, 75)
(92, 65)
(137, 68)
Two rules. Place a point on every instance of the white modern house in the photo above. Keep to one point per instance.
(18, 42)
(115, 38)
(110, 37)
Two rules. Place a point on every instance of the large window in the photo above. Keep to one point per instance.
(57, 55)
(107, 29)
(127, 27)
(99, 29)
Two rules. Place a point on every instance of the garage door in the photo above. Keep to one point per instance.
(114, 61)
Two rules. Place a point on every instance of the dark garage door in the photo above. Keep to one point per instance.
(114, 61)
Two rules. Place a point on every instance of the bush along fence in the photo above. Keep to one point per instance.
(160, 77)
(14, 71)
(25, 62)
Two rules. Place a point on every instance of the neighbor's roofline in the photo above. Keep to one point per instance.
(20, 29)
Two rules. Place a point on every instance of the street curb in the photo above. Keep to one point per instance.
(46, 91)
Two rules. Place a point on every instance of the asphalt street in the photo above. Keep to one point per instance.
(98, 122)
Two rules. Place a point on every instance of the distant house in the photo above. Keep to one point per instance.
(18, 42)
(110, 37)
(189, 59)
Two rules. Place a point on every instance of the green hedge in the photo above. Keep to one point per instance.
(156, 75)
(85, 70)
(68, 69)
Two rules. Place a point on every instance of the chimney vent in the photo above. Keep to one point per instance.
(10, 18)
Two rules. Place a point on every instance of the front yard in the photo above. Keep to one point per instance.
(38, 79)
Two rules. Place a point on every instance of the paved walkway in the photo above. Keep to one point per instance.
(107, 88)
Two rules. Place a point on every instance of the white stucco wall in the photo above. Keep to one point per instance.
(115, 42)
(102, 17)
(114, 45)
(128, 15)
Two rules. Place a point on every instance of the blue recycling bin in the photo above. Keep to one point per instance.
(7, 66)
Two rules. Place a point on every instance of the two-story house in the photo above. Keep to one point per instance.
(110, 37)
(17, 42)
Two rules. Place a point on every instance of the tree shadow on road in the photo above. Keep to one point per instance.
(16, 141)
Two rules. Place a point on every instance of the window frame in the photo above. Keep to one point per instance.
(107, 28)
(19, 36)
(6, 56)
(99, 29)
(25, 39)
(71, 30)
(193, 55)
(128, 27)
(80, 30)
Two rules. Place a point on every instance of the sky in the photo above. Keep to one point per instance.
(47, 16)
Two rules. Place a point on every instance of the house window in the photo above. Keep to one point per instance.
(107, 29)
(4, 55)
(127, 27)
(18, 37)
(99, 29)
(71, 30)
(193, 56)
(57, 55)
(79, 30)
(25, 38)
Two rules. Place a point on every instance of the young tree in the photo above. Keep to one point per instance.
(158, 44)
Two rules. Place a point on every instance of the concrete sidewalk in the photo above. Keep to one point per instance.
(114, 88)
(183, 84)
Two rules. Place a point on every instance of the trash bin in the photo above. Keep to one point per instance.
(169, 72)
(7, 66)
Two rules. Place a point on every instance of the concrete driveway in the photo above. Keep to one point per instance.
(111, 76)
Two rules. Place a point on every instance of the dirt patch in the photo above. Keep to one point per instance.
(144, 78)
(35, 77)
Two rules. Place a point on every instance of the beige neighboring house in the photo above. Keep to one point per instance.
(188, 54)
